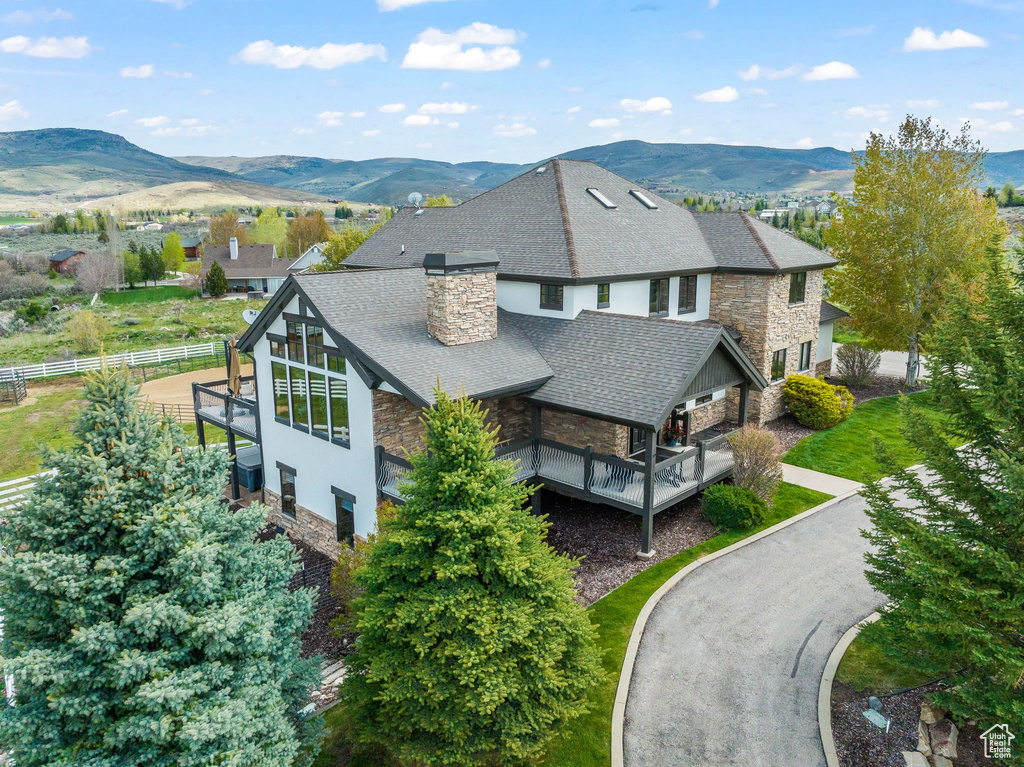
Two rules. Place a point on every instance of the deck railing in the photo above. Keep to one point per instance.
(605, 478)
(215, 404)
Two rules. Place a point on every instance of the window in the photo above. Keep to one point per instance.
(604, 295)
(280, 375)
(688, 294)
(704, 399)
(339, 409)
(779, 365)
(659, 298)
(287, 490)
(277, 346)
(646, 201)
(805, 356)
(551, 297)
(335, 362)
(318, 405)
(344, 512)
(295, 342)
(797, 287)
(598, 195)
(637, 440)
(315, 346)
(298, 386)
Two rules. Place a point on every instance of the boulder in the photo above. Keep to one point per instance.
(915, 759)
(924, 739)
(943, 734)
(941, 761)
(875, 703)
(931, 714)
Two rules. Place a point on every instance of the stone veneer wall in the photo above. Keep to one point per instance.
(757, 305)
(581, 431)
(823, 368)
(462, 308)
(310, 528)
(707, 415)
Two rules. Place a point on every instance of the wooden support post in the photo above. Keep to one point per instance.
(235, 494)
(687, 423)
(647, 526)
(744, 403)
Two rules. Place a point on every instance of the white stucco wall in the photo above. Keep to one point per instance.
(319, 464)
(524, 298)
(825, 341)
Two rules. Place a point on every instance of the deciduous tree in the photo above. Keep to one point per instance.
(173, 254)
(270, 228)
(305, 231)
(226, 226)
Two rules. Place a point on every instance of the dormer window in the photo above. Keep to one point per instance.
(598, 195)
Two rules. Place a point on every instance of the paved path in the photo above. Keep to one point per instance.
(816, 480)
(893, 364)
(728, 668)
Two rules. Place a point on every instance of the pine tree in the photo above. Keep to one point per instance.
(143, 622)
(953, 564)
(216, 281)
(472, 649)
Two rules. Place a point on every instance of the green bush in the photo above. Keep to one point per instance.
(816, 404)
(31, 313)
(730, 507)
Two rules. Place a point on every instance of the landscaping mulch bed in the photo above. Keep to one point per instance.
(860, 744)
(787, 431)
(884, 386)
(609, 539)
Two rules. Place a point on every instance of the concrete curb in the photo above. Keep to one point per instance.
(828, 676)
(622, 692)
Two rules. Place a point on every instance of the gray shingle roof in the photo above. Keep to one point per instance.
(547, 225)
(64, 255)
(383, 315)
(254, 261)
(830, 313)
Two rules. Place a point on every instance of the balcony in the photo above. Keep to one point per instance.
(215, 404)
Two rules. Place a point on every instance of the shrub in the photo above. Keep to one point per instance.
(86, 330)
(31, 313)
(858, 365)
(756, 453)
(350, 560)
(731, 507)
(816, 404)
(130, 321)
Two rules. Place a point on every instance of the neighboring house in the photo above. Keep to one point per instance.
(586, 313)
(66, 261)
(247, 267)
(826, 324)
(193, 247)
(820, 208)
(313, 256)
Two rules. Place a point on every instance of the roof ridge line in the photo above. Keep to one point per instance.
(570, 244)
(757, 238)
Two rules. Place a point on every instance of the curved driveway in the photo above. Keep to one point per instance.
(728, 669)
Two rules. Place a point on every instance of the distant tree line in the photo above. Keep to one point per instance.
(1007, 197)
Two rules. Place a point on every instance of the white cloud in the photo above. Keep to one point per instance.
(617, 135)
(693, 34)
(753, 72)
(329, 119)
(357, 115)
(435, 49)
(420, 120)
(923, 103)
(182, 75)
(719, 95)
(984, 127)
(834, 70)
(1018, 112)
(424, 145)
(924, 39)
(446, 86)
(573, 110)
(327, 56)
(446, 108)
(139, 73)
(756, 91)
(990, 106)
(153, 122)
(303, 131)
(42, 15)
(394, 5)
(391, 109)
(756, 72)
(515, 130)
(805, 143)
(12, 110)
(453, 124)
(117, 113)
(543, 63)
(206, 92)
(47, 47)
(712, 3)
(873, 112)
(605, 122)
(176, 4)
(371, 133)
(1002, 126)
(686, 132)
(655, 104)
(190, 127)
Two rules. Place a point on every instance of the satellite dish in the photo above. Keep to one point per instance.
(415, 199)
(250, 315)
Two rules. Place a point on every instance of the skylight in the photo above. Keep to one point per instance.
(598, 195)
(646, 201)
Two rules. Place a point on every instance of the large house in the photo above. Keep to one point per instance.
(247, 267)
(586, 313)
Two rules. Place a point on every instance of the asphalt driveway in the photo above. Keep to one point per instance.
(728, 669)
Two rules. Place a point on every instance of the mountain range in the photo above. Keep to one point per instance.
(85, 167)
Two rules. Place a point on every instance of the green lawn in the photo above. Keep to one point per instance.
(848, 450)
(844, 334)
(149, 295)
(25, 429)
(870, 671)
(587, 741)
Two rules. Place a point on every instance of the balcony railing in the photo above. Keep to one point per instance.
(215, 404)
(603, 478)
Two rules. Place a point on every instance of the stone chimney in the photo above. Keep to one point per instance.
(462, 296)
(233, 247)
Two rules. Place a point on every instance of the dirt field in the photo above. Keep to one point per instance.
(177, 390)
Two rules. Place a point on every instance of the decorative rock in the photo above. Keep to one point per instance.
(941, 761)
(924, 740)
(875, 703)
(915, 759)
(944, 735)
(876, 719)
(931, 714)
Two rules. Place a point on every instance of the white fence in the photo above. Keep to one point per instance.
(131, 359)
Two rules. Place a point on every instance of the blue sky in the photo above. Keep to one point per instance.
(514, 81)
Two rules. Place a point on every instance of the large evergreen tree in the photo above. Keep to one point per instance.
(952, 560)
(216, 281)
(472, 648)
(143, 622)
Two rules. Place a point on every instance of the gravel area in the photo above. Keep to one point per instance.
(608, 539)
(860, 744)
(787, 431)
